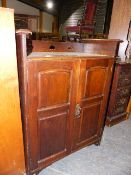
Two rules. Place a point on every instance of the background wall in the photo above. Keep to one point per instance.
(47, 22)
(121, 16)
(21, 8)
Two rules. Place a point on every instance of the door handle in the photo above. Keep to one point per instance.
(77, 111)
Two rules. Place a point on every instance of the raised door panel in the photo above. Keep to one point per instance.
(94, 77)
(89, 122)
(52, 135)
(52, 101)
(55, 84)
(95, 81)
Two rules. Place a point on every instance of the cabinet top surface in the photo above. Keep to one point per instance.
(64, 55)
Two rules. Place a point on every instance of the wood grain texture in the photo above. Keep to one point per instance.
(88, 46)
(120, 19)
(11, 143)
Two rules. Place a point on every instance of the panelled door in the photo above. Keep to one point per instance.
(52, 86)
(94, 82)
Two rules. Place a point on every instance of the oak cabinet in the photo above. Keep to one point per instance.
(63, 98)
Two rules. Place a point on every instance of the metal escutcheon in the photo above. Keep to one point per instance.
(77, 111)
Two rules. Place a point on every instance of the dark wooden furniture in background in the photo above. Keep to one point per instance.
(23, 21)
(63, 96)
(120, 93)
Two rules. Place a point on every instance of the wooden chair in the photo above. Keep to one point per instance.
(86, 24)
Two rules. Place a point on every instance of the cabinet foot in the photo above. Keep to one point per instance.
(98, 143)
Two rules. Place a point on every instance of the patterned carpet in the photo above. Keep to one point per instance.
(112, 157)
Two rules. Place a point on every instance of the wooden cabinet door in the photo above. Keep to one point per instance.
(51, 95)
(94, 85)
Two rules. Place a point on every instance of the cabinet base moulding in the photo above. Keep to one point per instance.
(115, 120)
